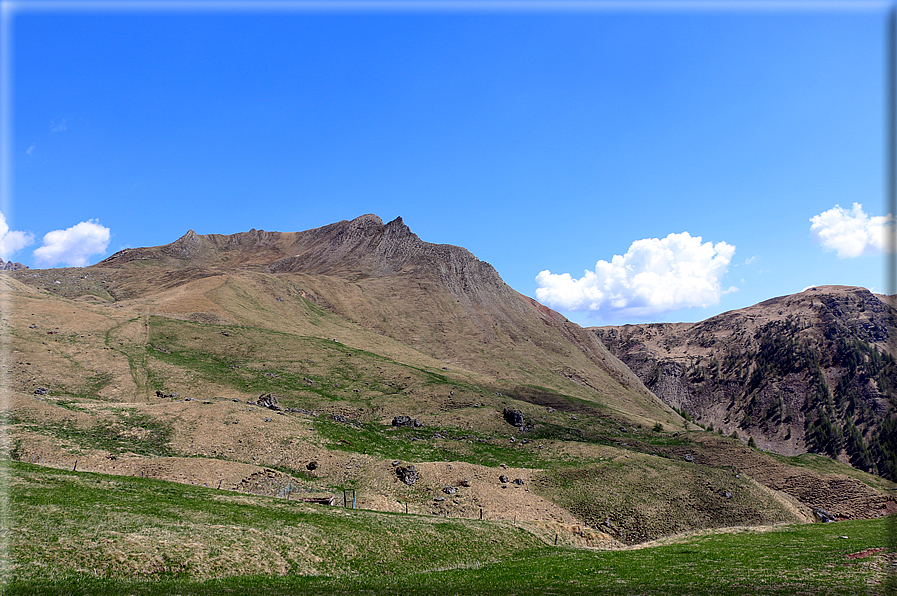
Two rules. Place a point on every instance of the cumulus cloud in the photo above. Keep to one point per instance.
(74, 245)
(852, 233)
(12, 241)
(654, 276)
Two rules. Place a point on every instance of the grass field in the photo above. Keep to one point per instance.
(83, 533)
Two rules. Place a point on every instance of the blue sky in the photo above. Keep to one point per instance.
(621, 165)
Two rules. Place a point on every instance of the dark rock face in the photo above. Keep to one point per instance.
(513, 417)
(765, 371)
(407, 474)
(406, 421)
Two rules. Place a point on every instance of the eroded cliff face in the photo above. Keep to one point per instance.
(808, 372)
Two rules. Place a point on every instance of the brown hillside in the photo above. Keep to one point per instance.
(436, 298)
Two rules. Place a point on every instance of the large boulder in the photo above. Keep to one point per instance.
(407, 474)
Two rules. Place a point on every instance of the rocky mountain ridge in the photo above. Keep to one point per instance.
(812, 371)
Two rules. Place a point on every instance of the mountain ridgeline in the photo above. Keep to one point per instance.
(813, 371)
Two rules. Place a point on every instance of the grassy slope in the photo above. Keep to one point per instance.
(82, 533)
(572, 436)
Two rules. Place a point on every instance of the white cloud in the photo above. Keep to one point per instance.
(54, 127)
(30, 149)
(12, 241)
(74, 245)
(654, 276)
(852, 233)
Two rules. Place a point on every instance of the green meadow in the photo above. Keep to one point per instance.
(84, 533)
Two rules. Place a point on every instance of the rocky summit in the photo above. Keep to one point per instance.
(358, 356)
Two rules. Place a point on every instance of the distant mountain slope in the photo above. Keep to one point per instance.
(437, 298)
(813, 371)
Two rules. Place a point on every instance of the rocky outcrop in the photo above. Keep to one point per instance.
(513, 417)
(10, 266)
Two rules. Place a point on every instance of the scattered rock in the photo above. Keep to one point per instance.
(344, 420)
(41, 391)
(449, 490)
(312, 465)
(518, 481)
(503, 479)
(464, 482)
(823, 515)
(689, 457)
(725, 493)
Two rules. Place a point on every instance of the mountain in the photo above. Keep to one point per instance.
(812, 371)
(438, 299)
(358, 356)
